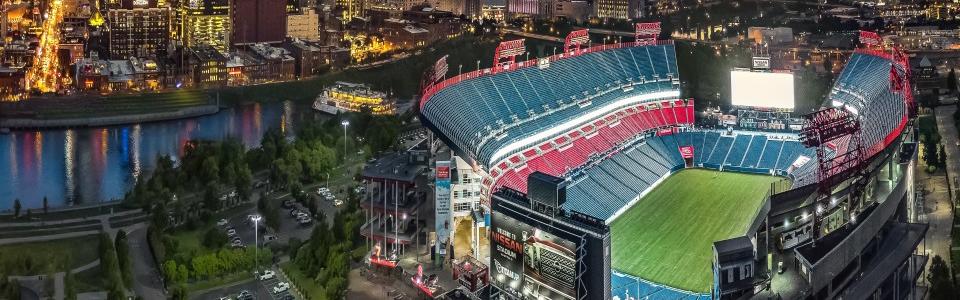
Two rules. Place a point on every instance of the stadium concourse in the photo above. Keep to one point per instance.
(616, 132)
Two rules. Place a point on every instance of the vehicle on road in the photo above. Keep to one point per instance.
(231, 232)
(294, 212)
(281, 287)
(267, 275)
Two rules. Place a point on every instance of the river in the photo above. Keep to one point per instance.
(93, 165)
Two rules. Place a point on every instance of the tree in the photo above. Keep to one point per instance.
(941, 286)
(214, 238)
(46, 207)
(111, 267)
(123, 256)
(70, 286)
(211, 197)
(16, 208)
(294, 245)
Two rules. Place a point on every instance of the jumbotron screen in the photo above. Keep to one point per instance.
(762, 89)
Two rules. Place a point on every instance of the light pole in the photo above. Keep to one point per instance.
(256, 239)
(345, 123)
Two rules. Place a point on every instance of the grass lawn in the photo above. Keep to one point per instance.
(48, 257)
(667, 237)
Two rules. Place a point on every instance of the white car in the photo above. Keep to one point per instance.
(281, 287)
(222, 222)
(267, 275)
(337, 202)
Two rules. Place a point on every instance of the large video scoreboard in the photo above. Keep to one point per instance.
(539, 253)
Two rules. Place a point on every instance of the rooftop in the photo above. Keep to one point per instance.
(398, 166)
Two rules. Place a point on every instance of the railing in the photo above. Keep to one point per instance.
(433, 89)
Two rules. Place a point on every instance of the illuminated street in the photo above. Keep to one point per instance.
(45, 71)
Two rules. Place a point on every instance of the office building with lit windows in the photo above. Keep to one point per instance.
(137, 31)
(206, 22)
(618, 9)
(208, 67)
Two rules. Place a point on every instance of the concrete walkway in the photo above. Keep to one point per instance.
(104, 225)
(942, 227)
(68, 221)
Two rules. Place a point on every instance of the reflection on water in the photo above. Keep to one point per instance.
(90, 165)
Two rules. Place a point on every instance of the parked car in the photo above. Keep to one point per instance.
(222, 222)
(244, 295)
(304, 221)
(337, 202)
(267, 275)
(295, 212)
(231, 232)
(269, 238)
(281, 287)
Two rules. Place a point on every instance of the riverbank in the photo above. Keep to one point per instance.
(74, 112)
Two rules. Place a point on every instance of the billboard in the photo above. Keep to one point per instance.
(443, 213)
(686, 151)
(762, 89)
(529, 263)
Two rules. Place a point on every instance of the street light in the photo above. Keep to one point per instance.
(345, 123)
(256, 240)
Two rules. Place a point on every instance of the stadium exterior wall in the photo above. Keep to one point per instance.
(853, 245)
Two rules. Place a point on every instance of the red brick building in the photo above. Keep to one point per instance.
(258, 21)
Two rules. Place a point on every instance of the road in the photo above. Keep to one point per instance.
(44, 74)
(146, 275)
(259, 289)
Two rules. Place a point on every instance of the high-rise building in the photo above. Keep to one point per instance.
(258, 21)
(304, 26)
(137, 29)
(618, 9)
(351, 8)
(206, 22)
(533, 8)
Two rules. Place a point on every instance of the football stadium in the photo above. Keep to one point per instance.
(601, 184)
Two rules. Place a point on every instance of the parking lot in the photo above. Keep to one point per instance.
(258, 289)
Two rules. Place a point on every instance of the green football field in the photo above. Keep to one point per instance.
(667, 236)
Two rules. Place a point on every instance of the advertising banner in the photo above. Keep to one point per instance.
(529, 263)
(686, 151)
(442, 213)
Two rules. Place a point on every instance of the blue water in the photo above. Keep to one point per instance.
(93, 165)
